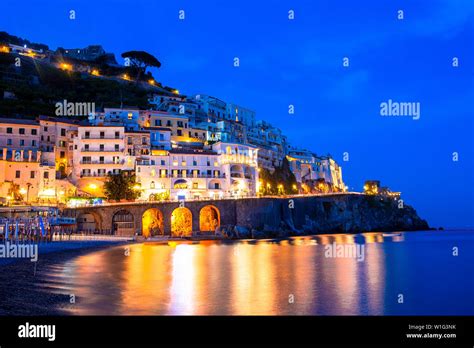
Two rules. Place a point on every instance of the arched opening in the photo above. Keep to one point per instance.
(180, 184)
(62, 171)
(181, 222)
(209, 219)
(236, 171)
(152, 223)
(123, 223)
(89, 222)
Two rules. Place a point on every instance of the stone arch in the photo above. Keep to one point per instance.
(123, 223)
(181, 222)
(152, 223)
(212, 184)
(89, 221)
(180, 184)
(236, 171)
(209, 218)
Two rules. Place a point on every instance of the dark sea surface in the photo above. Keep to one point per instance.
(408, 273)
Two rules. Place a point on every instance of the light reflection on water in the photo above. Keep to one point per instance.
(260, 277)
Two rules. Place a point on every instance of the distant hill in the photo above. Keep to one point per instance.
(38, 84)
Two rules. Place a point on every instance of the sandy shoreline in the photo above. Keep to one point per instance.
(23, 290)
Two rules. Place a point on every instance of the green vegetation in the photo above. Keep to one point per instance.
(39, 86)
(120, 186)
(141, 60)
(281, 182)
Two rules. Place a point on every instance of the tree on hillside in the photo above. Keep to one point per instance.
(120, 186)
(141, 60)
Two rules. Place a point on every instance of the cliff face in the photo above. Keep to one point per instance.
(348, 213)
(361, 213)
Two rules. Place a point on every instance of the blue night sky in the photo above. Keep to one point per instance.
(299, 62)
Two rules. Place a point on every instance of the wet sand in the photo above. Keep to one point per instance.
(23, 290)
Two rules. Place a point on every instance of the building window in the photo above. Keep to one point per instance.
(45, 129)
(87, 135)
(117, 135)
(46, 175)
(144, 142)
(130, 115)
(194, 163)
(216, 185)
(180, 133)
(101, 147)
(9, 142)
(168, 123)
(86, 147)
(129, 141)
(32, 174)
(195, 185)
(62, 154)
(9, 130)
(21, 131)
(102, 135)
(63, 132)
(33, 143)
(162, 137)
(22, 142)
(117, 147)
(183, 163)
(152, 185)
(17, 174)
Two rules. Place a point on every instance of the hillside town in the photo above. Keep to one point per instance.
(179, 148)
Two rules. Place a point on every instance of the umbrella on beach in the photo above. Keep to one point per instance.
(6, 229)
(43, 232)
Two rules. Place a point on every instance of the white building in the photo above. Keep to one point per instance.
(98, 150)
(228, 170)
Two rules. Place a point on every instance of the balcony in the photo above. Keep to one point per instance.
(93, 175)
(98, 137)
(102, 162)
(102, 151)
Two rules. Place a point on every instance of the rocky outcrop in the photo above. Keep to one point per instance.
(349, 213)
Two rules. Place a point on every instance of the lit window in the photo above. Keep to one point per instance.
(152, 185)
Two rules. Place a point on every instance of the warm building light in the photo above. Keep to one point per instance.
(92, 186)
(4, 49)
(176, 91)
(95, 72)
(23, 191)
(137, 187)
(126, 77)
(67, 67)
(151, 81)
